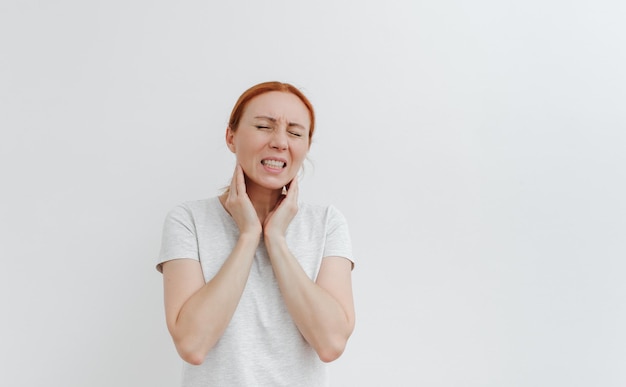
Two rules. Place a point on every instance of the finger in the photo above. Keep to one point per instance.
(241, 182)
(233, 183)
(295, 185)
(292, 192)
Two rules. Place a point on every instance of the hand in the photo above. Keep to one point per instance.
(240, 207)
(280, 217)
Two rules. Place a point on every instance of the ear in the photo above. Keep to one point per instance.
(230, 137)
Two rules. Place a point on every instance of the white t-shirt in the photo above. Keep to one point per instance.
(262, 345)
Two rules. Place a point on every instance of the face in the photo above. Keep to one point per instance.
(272, 139)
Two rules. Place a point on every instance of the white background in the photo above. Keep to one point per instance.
(476, 148)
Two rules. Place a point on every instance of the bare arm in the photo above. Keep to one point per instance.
(322, 310)
(197, 313)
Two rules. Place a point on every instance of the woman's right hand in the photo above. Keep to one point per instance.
(198, 311)
(240, 207)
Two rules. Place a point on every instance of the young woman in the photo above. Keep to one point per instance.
(258, 285)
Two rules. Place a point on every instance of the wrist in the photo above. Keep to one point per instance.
(250, 236)
(274, 239)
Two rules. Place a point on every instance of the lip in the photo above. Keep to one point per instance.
(274, 170)
(275, 159)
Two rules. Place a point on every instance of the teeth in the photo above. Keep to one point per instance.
(273, 163)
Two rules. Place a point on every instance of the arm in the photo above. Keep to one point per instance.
(197, 313)
(323, 310)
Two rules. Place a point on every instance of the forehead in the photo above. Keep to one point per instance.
(279, 105)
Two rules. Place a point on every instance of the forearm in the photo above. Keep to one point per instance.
(320, 318)
(204, 317)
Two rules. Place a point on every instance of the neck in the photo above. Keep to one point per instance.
(263, 199)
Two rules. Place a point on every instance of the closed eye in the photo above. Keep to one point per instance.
(262, 127)
(295, 134)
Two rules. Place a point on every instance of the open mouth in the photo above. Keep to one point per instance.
(276, 164)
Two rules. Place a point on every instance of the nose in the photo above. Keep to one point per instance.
(279, 139)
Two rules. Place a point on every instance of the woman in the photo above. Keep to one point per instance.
(257, 285)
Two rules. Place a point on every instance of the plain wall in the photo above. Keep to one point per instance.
(477, 150)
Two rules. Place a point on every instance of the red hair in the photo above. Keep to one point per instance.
(267, 87)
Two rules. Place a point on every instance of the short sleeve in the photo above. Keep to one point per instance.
(179, 238)
(338, 243)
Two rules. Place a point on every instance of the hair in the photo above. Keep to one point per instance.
(266, 87)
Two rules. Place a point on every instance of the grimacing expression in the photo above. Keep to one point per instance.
(272, 139)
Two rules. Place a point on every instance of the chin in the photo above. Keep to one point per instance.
(278, 185)
(272, 184)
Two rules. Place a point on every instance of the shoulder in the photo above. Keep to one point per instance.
(193, 207)
(320, 212)
(190, 212)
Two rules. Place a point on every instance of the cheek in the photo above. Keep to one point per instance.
(300, 150)
(243, 150)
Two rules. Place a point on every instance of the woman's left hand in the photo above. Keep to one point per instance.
(280, 217)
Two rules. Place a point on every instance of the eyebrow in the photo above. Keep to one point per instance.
(272, 119)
